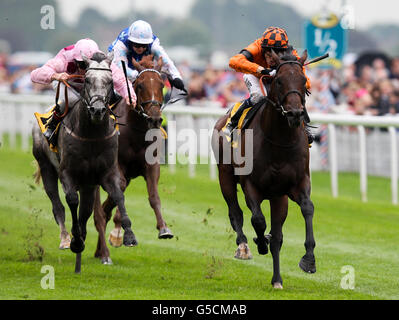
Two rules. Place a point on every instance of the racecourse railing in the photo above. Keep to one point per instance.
(351, 143)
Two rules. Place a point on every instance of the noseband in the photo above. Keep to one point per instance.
(141, 112)
(279, 105)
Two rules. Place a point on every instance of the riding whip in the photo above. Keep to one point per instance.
(317, 59)
(127, 83)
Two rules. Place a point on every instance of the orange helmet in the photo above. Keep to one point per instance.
(275, 38)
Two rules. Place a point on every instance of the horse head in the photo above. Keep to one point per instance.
(288, 87)
(149, 90)
(98, 86)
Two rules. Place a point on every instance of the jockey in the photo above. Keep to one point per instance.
(256, 61)
(137, 41)
(69, 61)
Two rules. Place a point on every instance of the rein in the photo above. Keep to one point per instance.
(67, 85)
(88, 103)
(279, 105)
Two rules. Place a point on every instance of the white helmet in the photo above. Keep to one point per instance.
(140, 32)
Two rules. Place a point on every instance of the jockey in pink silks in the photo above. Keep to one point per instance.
(69, 62)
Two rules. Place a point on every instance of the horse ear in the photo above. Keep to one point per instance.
(110, 57)
(159, 64)
(304, 56)
(275, 57)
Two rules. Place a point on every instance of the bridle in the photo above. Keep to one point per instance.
(279, 105)
(91, 99)
(88, 102)
(153, 102)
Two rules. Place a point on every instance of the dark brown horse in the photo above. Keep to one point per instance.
(132, 156)
(86, 158)
(280, 155)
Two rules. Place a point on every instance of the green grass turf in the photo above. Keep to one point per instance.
(198, 263)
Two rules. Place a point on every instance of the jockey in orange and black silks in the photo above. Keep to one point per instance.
(137, 41)
(256, 60)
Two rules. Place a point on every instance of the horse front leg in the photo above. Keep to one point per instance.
(111, 185)
(152, 173)
(302, 198)
(72, 198)
(278, 214)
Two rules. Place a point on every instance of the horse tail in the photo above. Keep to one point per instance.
(37, 175)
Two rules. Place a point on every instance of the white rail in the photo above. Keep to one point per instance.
(16, 115)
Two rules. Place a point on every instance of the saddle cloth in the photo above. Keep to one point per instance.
(42, 120)
(233, 112)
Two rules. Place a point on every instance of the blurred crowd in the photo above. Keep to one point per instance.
(368, 89)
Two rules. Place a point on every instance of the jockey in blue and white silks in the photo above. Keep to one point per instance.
(137, 41)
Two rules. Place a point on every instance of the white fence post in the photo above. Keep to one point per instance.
(332, 153)
(394, 165)
(172, 138)
(363, 162)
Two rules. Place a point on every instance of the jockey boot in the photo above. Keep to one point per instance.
(307, 128)
(51, 126)
(115, 98)
(309, 134)
(231, 126)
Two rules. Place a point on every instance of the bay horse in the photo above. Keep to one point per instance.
(135, 124)
(280, 154)
(86, 158)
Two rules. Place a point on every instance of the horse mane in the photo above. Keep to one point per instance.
(99, 56)
(147, 62)
(288, 57)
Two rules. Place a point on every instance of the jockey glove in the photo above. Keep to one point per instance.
(178, 83)
(266, 72)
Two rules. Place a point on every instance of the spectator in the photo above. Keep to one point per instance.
(395, 68)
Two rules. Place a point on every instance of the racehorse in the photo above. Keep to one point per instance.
(86, 158)
(135, 123)
(280, 167)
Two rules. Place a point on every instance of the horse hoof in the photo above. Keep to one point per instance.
(165, 233)
(115, 238)
(77, 246)
(307, 265)
(129, 239)
(65, 243)
(262, 245)
(277, 285)
(243, 252)
(106, 261)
